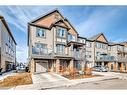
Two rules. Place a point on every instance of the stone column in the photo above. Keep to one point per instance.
(126, 67)
(72, 64)
(122, 67)
(57, 66)
(32, 66)
(109, 66)
(83, 65)
(115, 66)
(102, 63)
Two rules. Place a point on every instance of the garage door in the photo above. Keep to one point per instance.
(41, 67)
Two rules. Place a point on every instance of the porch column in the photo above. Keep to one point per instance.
(109, 66)
(32, 66)
(102, 63)
(72, 64)
(83, 66)
(57, 66)
(115, 66)
(126, 67)
(122, 67)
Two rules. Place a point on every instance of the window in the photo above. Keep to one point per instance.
(60, 48)
(120, 48)
(109, 48)
(7, 48)
(98, 45)
(71, 37)
(40, 32)
(88, 44)
(61, 32)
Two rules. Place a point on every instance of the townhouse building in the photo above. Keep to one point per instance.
(7, 47)
(54, 46)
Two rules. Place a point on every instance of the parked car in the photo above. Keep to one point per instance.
(100, 68)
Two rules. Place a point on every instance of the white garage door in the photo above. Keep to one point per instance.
(41, 67)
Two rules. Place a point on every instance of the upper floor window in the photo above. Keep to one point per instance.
(88, 44)
(61, 32)
(109, 48)
(40, 32)
(60, 48)
(71, 37)
(119, 48)
(98, 45)
(104, 46)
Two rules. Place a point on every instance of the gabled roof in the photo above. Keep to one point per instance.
(95, 37)
(45, 15)
(51, 23)
(49, 13)
(4, 22)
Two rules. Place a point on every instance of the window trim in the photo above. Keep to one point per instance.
(37, 28)
(65, 30)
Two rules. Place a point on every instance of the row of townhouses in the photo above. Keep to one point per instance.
(54, 44)
(7, 47)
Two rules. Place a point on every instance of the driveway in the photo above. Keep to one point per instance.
(53, 80)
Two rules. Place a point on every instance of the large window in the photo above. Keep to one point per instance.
(98, 45)
(60, 48)
(88, 44)
(40, 32)
(71, 37)
(61, 32)
(101, 45)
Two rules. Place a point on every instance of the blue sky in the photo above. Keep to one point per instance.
(87, 20)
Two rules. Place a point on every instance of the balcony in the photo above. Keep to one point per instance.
(105, 58)
(42, 53)
(48, 54)
(79, 55)
(121, 59)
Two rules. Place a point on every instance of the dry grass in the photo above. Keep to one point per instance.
(18, 79)
(80, 76)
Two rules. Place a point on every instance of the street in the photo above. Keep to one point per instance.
(100, 85)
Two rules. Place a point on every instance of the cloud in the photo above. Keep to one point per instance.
(22, 53)
(98, 21)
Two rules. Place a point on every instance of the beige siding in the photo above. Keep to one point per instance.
(4, 56)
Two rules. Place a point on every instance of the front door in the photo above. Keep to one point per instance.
(41, 66)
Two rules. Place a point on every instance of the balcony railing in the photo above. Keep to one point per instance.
(78, 55)
(111, 58)
(105, 58)
(121, 59)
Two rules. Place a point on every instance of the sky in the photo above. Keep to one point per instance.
(87, 20)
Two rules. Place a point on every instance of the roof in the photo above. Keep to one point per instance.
(42, 16)
(4, 22)
(64, 20)
(95, 37)
(113, 43)
(82, 37)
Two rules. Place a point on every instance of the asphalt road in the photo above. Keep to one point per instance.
(100, 85)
